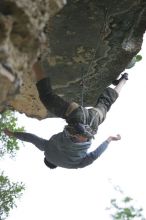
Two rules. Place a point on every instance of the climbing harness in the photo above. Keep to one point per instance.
(88, 127)
(84, 126)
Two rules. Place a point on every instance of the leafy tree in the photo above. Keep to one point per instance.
(8, 145)
(123, 208)
(9, 192)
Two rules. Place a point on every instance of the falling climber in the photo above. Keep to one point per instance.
(69, 148)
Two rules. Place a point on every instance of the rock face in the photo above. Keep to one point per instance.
(21, 32)
(89, 43)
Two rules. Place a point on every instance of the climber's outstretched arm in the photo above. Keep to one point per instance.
(92, 156)
(40, 143)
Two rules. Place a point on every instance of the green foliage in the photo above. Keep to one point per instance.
(8, 145)
(138, 58)
(123, 209)
(9, 192)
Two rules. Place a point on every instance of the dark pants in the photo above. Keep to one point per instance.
(54, 103)
(59, 106)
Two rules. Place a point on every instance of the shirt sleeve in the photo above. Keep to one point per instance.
(92, 156)
(24, 136)
(40, 143)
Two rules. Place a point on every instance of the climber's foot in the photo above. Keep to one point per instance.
(124, 76)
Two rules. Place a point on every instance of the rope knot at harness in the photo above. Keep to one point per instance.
(83, 128)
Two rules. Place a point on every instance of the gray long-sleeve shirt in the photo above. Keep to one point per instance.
(61, 151)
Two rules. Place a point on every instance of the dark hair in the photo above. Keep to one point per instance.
(50, 165)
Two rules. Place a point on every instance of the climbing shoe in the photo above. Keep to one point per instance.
(124, 76)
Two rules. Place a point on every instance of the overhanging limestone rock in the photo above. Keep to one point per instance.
(21, 32)
(96, 39)
(90, 38)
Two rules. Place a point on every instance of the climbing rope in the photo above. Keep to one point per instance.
(92, 60)
(45, 53)
(83, 76)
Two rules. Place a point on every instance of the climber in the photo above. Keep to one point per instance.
(69, 148)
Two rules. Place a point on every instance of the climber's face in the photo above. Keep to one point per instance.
(80, 138)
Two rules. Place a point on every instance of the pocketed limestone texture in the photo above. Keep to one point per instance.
(22, 25)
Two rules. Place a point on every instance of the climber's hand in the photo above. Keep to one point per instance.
(8, 132)
(114, 138)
